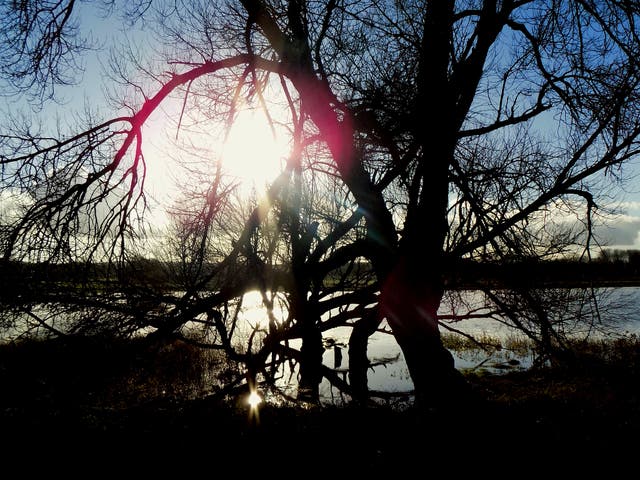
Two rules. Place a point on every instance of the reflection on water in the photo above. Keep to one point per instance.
(388, 374)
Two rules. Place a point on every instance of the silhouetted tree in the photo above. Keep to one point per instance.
(454, 129)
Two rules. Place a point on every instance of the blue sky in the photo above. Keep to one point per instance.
(621, 231)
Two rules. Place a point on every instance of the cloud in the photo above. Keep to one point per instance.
(622, 231)
(622, 234)
(630, 205)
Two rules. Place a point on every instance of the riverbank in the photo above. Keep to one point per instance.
(555, 420)
(553, 434)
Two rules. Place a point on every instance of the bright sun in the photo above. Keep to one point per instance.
(252, 154)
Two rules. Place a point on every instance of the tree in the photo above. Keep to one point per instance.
(452, 129)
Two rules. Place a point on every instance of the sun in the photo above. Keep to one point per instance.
(253, 153)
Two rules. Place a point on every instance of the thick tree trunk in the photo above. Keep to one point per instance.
(410, 306)
(411, 290)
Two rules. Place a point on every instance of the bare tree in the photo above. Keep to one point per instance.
(411, 106)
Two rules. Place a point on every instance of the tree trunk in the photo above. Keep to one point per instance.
(311, 354)
(312, 349)
(411, 291)
(409, 301)
(358, 359)
(410, 306)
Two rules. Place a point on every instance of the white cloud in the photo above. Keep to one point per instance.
(625, 232)
(621, 230)
(632, 205)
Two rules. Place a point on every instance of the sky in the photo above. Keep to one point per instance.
(621, 231)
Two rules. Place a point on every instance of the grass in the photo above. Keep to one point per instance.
(517, 344)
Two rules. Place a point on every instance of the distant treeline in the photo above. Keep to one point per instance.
(618, 267)
(547, 273)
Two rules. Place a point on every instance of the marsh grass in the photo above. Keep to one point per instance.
(621, 349)
(516, 344)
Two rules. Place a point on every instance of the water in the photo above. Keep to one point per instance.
(388, 375)
(618, 309)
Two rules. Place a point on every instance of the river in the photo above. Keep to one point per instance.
(618, 311)
(618, 314)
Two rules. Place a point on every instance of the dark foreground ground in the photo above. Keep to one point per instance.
(556, 423)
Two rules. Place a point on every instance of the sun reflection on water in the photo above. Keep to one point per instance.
(254, 400)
